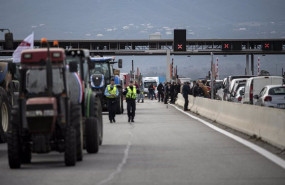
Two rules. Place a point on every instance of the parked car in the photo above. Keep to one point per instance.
(238, 96)
(255, 84)
(235, 84)
(271, 96)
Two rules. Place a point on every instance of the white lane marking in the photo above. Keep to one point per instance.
(121, 165)
(277, 160)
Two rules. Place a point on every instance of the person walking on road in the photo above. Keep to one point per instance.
(150, 91)
(186, 91)
(112, 92)
(131, 94)
(141, 94)
(160, 90)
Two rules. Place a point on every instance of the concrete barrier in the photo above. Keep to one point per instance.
(267, 123)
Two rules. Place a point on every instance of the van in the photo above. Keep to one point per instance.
(227, 82)
(255, 84)
(235, 85)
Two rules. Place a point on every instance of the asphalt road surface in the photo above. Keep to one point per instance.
(163, 147)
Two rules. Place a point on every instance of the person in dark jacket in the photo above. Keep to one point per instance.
(167, 92)
(150, 91)
(172, 93)
(160, 90)
(185, 93)
(197, 90)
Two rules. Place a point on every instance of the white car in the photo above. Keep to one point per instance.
(271, 96)
(238, 95)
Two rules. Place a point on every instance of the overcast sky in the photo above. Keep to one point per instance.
(136, 19)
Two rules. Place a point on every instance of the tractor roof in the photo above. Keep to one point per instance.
(34, 56)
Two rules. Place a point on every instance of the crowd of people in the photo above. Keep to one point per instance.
(166, 92)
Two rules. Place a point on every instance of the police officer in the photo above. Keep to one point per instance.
(131, 94)
(112, 92)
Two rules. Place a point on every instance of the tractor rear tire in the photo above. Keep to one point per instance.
(5, 109)
(13, 141)
(77, 124)
(70, 146)
(92, 136)
(97, 113)
(26, 156)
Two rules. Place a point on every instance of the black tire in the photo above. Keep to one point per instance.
(5, 111)
(13, 141)
(70, 147)
(92, 136)
(77, 124)
(96, 111)
(26, 155)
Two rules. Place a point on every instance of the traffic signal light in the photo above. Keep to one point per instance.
(226, 46)
(9, 41)
(267, 46)
(179, 40)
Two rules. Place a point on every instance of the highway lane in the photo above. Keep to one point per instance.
(163, 146)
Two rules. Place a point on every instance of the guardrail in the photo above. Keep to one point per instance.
(264, 122)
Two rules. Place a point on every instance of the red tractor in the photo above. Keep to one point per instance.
(45, 119)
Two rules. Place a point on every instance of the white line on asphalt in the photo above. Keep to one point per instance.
(121, 165)
(277, 160)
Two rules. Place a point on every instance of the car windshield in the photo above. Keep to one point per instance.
(36, 81)
(147, 84)
(101, 68)
(277, 91)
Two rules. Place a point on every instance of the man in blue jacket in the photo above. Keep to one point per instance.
(186, 92)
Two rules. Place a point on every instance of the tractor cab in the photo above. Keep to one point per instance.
(45, 119)
(101, 73)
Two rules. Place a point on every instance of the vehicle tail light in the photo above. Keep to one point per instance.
(268, 98)
(251, 92)
(239, 98)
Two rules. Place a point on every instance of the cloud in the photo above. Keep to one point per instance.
(168, 33)
(149, 26)
(252, 24)
(34, 26)
(42, 25)
(273, 32)
(131, 24)
(126, 27)
(242, 29)
(99, 35)
(191, 33)
(88, 34)
(109, 29)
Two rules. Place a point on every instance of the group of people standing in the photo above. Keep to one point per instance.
(168, 91)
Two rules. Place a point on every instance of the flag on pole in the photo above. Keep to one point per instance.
(27, 43)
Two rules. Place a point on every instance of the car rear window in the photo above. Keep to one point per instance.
(277, 91)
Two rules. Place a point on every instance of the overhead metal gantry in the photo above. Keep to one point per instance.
(159, 47)
(248, 47)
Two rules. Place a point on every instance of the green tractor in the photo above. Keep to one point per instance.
(102, 71)
(89, 100)
(9, 86)
(45, 119)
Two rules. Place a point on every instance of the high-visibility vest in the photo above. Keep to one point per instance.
(130, 93)
(112, 92)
